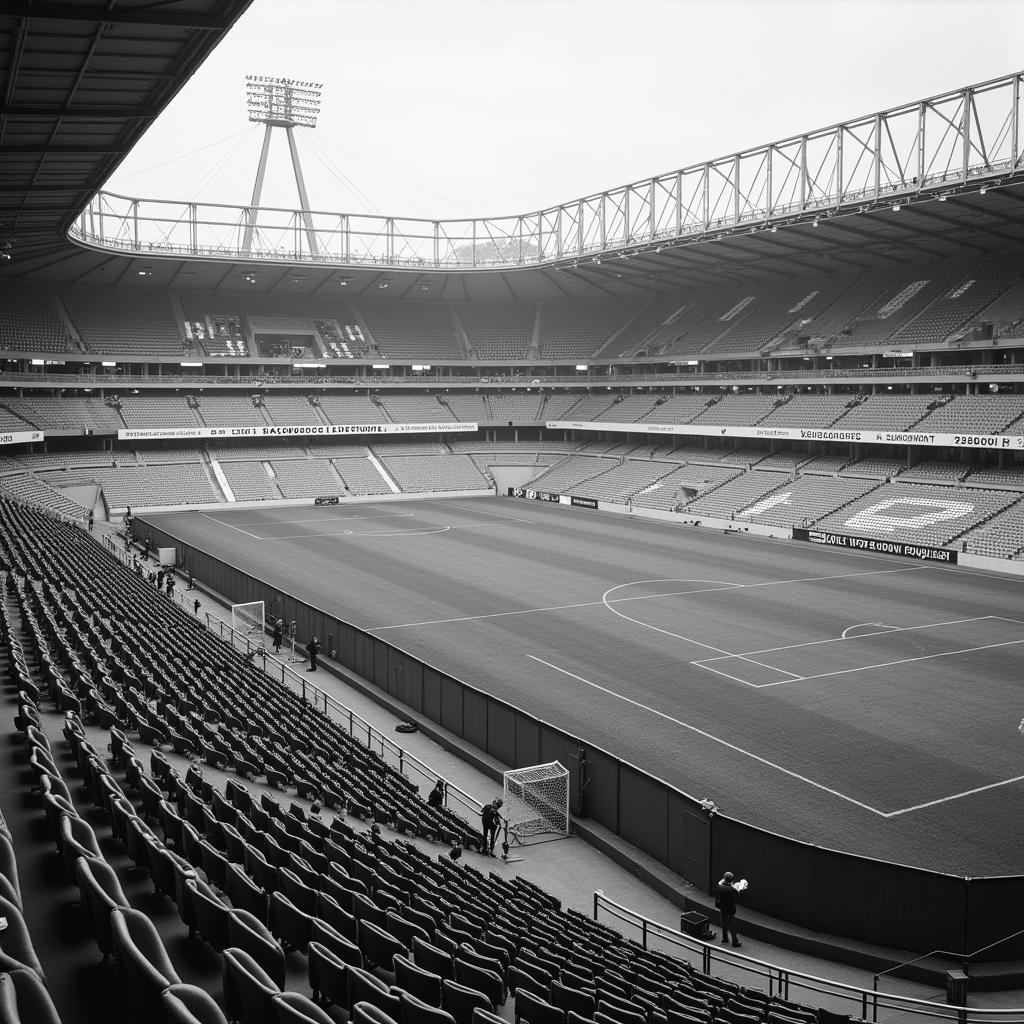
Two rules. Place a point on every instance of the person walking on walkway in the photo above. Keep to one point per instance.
(312, 649)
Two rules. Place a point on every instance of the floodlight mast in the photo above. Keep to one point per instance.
(281, 103)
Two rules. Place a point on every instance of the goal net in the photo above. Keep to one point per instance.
(247, 621)
(537, 800)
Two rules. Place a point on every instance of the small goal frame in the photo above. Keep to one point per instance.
(248, 621)
(536, 801)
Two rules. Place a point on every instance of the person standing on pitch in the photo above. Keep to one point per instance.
(490, 818)
(312, 649)
(725, 900)
(278, 635)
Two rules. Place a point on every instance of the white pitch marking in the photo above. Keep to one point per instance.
(220, 522)
(714, 739)
(955, 796)
(882, 628)
(330, 519)
(884, 664)
(549, 608)
(480, 511)
(863, 636)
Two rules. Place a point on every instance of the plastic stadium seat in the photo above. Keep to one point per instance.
(461, 1001)
(101, 893)
(404, 930)
(249, 934)
(567, 999)
(290, 926)
(481, 1016)
(534, 979)
(189, 1004)
(614, 1013)
(295, 1008)
(17, 951)
(534, 1010)
(415, 1011)
(367, 1013)
(429, 958)
(328, 975)
(378, 946)
(10, 887)
(366, 987)
(77, 839)
(483, 980)
(422, 984)
(328, 910)
(143, 967)
(244, 893)
(340, 945)
(211, 914)
(24, 999)
(248, 989)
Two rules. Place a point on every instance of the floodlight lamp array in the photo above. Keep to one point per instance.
(282, 101)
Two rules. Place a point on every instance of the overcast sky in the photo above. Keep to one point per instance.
(477, 108)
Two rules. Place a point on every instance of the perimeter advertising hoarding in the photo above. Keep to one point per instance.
(997, 442)
(525, 492)
(311, 430)
(21, 437)
(876, 545)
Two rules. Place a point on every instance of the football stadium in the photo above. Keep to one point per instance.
(685, 519)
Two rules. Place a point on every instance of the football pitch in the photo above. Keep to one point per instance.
(855, 701)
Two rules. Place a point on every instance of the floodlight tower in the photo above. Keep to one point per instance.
(281, 103)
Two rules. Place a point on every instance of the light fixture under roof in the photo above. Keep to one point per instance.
(895, 207)
(982, 190)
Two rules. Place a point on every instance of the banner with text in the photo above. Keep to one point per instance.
(1001, 442)
(312, 430)
(21, 437)
(876, 545)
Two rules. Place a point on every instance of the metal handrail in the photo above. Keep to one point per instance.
(783, 981)
(358, 728)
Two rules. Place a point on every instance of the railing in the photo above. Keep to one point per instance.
(357, 727)
(96, 380)
(868, 1004)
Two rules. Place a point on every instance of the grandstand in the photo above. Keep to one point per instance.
(717, 371)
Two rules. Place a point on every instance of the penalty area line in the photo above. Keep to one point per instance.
(715, 739)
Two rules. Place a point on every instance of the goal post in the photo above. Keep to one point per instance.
(249, 623)
(536, 801)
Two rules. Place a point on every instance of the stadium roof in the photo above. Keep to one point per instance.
(82, 82)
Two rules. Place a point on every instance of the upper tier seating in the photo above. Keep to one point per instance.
(519, 407)
(628, 409)
(129, 323)
(960, 304)
(825, 465)
(351, 409)
(677, 409)
(911, 520)
(466, 407)
(808, 411)
(31, 320)
(416, 409)
(291, 410)
(886, 412)
(230, 411)
(156, 411)
(932, 471)
(1007, 476)
(501, 330)
(244, 450)
(975, 414)
(412, 331)
(68, 412)
(742, 410)
(588, 407)
(577, 330)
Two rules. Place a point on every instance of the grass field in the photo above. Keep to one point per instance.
(855, 701)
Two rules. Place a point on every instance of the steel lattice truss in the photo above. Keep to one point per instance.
(961, 141)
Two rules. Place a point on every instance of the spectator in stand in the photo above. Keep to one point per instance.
(195, 607)
(436, 797)
(91, 520)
